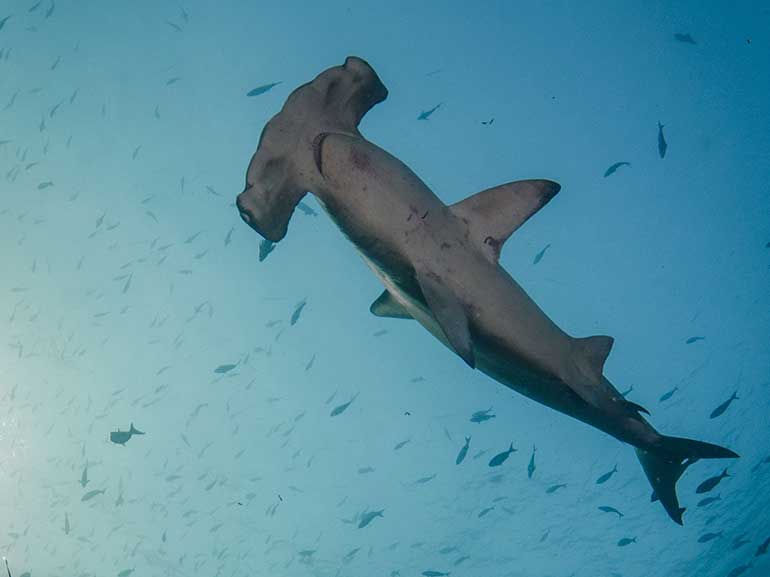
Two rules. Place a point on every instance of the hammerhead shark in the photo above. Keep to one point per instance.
(440, 264)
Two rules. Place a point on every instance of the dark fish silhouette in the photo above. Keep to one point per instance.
(297, 312)
(606, 477)
(308, 210)
(539, 256)
(710, 483)
(531, 467)
(500, 458)
(708, 500)
(339, 409)
(685, 38)
(488, 122)
(222, 369)
(425, 114)
(463, 451)
(262, 89)
(91, 494)
(484, 512)
(612, 169)
(762, 549)
(723, 407)
(608, 509)
(626, 541)
(122, 437)
(481, 416)
(554, 488)
(431, 573)
(368, 517)
(4, 20)
(668, 395)
(265, 248)
(740, 541)
(739, 570)
(706, 537)
(662, 144)
(692, 340)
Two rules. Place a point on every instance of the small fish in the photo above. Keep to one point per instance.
(367, 518)
(481, 416)
(423, 480)
(191, 238)
(484, 512)
(668, 395)
(662, 144)
(222, 369)
(174, 26)
(692, 340)
(309, 364)
(723, 407)
(740, 541)
(308, 210)
(606, 477)
(173, 80)
(431, 573)
(339, 409)
(612, 169)
(401, 445)
(365, 470)
(531, 467)
(44, 185)
(711, 482)
(297, 312)
(84, 477)
(262, 89)
(380, 333)
(627, 392)
(706, 537)
(554, 488)
(122, 437)
(4, 20)
(762, 549)
(265, 248)
(608, 509)
(626, 541)
(463, 451)
(66, 524)
(539, 256)
(125, 572)
(685, 38)
(425, 114)
(708, 500)
(487, 122)
(500, 458)
(739, 570)
(229, 236)
(91, 494)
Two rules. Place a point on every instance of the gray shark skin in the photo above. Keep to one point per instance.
(439, 263)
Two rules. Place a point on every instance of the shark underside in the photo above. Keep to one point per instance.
(439, 264)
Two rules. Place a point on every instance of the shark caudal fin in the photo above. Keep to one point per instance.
(665, 464)
(133, 431)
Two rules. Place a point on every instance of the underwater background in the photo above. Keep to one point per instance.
(131, 292)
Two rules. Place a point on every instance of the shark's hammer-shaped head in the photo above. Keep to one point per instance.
(281, 170)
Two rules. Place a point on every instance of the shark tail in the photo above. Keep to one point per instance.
(665, 462)
(133, 431)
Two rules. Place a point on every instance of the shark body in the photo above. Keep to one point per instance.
(439, 264)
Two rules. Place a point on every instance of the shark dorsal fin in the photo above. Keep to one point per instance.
(492, 215)
(387, 306)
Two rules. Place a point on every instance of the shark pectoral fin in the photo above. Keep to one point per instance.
(449, 313)
(387, 306)
(492, 215)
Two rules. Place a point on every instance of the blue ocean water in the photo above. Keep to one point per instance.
(132, 292)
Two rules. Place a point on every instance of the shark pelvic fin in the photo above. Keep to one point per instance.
(449, 313)
(585, 376)
(387, 306)
(492, 215)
